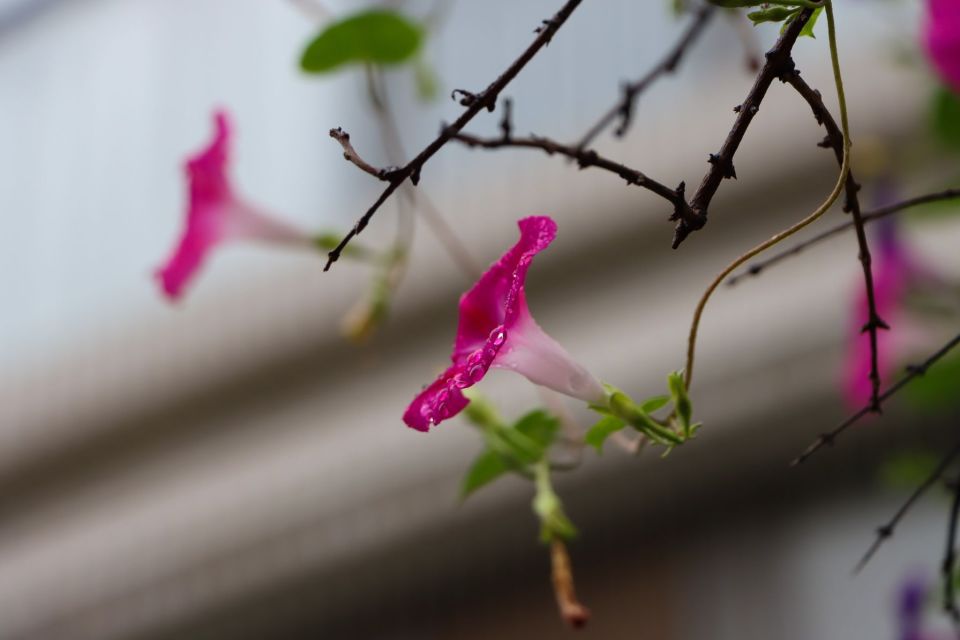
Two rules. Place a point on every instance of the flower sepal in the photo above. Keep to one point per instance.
(620, 410)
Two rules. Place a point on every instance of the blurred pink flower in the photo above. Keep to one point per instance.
(894, 269)
(216, 214)
(941, 39)
(497, 330)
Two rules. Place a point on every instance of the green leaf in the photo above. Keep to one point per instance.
(539, 426)
(377, 36)
(772, 14)
(654, 404)
(908, 470)
(733, 4)
(936, 390)
(488, 466)
(945, 118)
(811, 23)
(599, 432)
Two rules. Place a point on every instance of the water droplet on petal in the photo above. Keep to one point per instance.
(498, 336)
(475, 373)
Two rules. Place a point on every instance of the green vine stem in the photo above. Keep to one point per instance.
(783, 235)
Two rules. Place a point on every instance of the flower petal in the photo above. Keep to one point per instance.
(209, 195)
(532, 353)
(439, 401)
(487, 312)
(494, 302)
(496, 329)
(215, 214)
(941, 38)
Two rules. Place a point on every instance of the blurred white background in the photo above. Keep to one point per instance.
(228, 467)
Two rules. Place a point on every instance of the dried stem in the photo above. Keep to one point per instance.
(571, 610)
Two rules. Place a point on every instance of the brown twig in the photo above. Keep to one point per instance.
(834, 140)
(885, 531)
(586, 158)
(631, 91)
(486, 99)
(350, 154)
(914, 371)
(778, 61)
(448, 238)
(868, 217)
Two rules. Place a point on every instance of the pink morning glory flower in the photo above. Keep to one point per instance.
(497, 330)
(941, 39)
(894, 270)
(216, 214)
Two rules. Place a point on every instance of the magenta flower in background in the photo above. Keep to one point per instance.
(941, 39)
(497, 330)
(215, 214)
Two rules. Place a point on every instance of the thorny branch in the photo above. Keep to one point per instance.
(886, 531)
(689, 216)
(486, 99)
(882, 212)
(834, 140)
(584, 158)
(631, 91)
(913, 371)
(778, 61)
